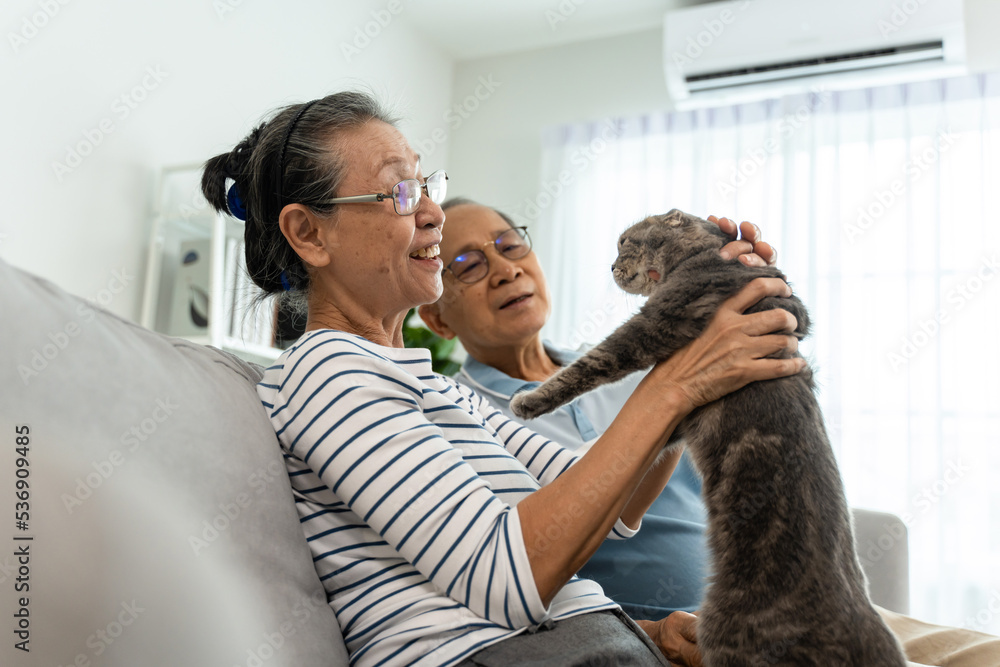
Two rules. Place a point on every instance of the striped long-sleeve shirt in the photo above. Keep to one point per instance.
(407, 486)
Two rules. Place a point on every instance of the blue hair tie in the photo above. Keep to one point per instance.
(235, 203)
(284, 282)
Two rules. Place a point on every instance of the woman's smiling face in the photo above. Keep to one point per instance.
(384, 263)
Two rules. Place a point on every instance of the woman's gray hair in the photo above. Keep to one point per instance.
(311, 174)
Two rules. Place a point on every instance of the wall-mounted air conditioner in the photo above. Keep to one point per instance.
(727, 52)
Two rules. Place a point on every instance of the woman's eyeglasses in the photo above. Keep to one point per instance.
(405, 194)
(472, 266)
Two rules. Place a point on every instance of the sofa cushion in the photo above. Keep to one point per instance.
(162, 521)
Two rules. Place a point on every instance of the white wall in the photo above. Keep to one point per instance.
(496, 151)
(981, 20)
(223, 64)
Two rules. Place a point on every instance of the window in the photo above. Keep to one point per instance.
(881, 203)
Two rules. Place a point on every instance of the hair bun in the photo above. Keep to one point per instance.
(239, 157)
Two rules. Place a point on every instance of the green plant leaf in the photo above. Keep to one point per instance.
(440, 348)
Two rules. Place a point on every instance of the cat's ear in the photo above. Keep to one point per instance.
(674, 217)
(430, 314)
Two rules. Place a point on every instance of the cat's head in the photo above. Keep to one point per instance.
(652, 248)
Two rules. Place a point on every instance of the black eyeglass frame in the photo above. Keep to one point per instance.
(522, 232)
(421, 188)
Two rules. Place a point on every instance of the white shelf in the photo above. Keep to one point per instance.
(182, 218)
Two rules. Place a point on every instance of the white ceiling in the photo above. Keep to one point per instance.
(469, 29)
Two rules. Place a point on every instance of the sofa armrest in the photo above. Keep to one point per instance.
(881, 541)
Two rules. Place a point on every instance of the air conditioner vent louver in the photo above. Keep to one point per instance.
(810, 67)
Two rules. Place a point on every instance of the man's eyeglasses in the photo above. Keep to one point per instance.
(472, 266)
(405, 194)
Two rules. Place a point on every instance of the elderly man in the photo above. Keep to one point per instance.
(496, 302)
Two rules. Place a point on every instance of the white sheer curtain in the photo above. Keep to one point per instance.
(882, 205)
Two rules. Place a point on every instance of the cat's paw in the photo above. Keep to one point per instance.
(529, 404)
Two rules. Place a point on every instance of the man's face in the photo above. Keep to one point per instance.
(507, 307)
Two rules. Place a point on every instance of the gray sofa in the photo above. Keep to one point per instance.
(162, 523)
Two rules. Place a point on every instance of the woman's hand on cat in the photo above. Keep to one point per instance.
(676, 638)
(734, 349)
(749, 249)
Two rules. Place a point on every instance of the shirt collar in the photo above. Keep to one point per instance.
(489, 379)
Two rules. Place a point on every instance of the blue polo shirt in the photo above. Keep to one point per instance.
(663, 567)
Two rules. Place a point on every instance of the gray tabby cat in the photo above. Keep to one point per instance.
(787, 588)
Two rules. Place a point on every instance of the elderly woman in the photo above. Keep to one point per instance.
(442, 531)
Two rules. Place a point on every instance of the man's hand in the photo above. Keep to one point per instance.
(675, 636)
(749, 248)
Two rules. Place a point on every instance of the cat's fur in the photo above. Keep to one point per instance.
(787, 587)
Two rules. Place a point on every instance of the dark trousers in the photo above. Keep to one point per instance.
(597, 639)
